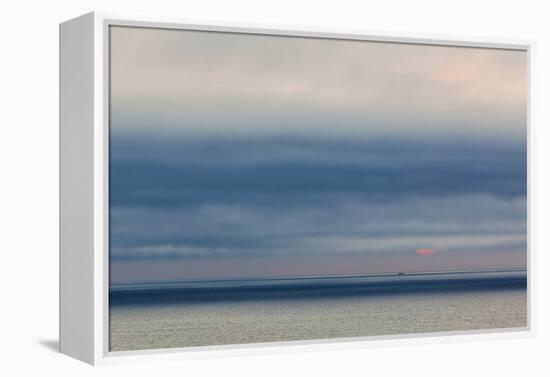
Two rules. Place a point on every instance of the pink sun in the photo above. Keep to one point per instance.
(425, 251)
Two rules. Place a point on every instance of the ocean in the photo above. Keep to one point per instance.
(238, 311)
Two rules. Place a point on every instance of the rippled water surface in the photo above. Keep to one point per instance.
(172, 323)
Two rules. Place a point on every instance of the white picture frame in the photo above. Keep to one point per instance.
(84, 201)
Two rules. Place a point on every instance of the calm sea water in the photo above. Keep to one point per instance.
(181, 314)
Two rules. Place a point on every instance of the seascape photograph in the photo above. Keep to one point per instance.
(268, 188)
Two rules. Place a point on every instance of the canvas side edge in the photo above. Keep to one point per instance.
(76, 167)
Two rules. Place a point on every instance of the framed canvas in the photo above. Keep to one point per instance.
(228, 187)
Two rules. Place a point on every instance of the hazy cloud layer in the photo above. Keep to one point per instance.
(215, 200)
(170, 81)
(247, 155)
(309, 172)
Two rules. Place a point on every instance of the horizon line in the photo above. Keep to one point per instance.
(311, 277)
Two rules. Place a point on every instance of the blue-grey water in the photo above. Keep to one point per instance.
(198, 313)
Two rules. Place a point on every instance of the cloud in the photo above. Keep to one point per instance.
(456, 224)
(233, 199)
(166, 79)
(167, 251)
(309, 172)
(442, 242)
(331, 245)
(236, 154)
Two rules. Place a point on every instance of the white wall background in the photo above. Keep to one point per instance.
(29, 187)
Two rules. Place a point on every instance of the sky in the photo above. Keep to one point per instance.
(240, 155)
